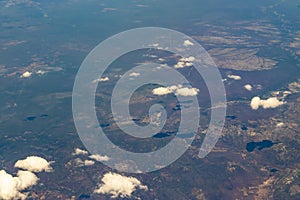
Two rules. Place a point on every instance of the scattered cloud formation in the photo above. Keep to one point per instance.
(134, 74)
(80, 163)
(188, 43)
(248, 87)
(99, 158)
(26, 74)
(78, 151)
(234, 77)
(185, 62)
(34, 164)
(12, 187)
(88, 161)
(272, 102)
(118, 185)
(178, 90)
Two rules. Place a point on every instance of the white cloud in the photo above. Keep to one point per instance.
(81, 163)
(234, 77)
(248, 87)
(154, 45)
(272, 102)
(99, 158)
(179, 65)
(189, 59)
(118, 185)
(255, 103)
(26, 74)
(41, 72)
(12, 187)
(178, 90)
(161, 91)
(134, 74)
(280, 124)
(185, 62)
(27, 179)
(89, 162)
(187, 91)
(78, 151)
(104, 79)
(188, 43)
(34, 164)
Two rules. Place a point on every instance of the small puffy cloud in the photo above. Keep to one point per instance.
(154, 45)
(81, 163)
(280, 124)
(185, 62)
(178, 90)
(12, 187)
(188, 43)
(34, 164)
(27, 179)
(161, 91)
(78, 151)
(255, 103)
(248, 87)
(272, 102)
(234, 77)
(118, 185)
(104, 79)
(89, 162)
(134, 74)
(187, 91)
(179, 65)
(26, 74)
(189, 59)
(41, 72)
(99, 158)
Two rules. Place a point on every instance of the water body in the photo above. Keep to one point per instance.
(164, 134)
(251, 146)
(231, 117)
(32, 118)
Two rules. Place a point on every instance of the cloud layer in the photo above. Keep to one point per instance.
(118, 185)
